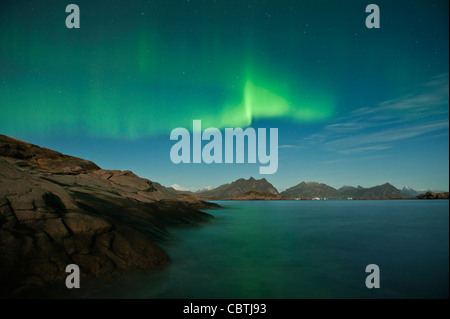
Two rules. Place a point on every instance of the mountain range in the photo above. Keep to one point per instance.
(316, 190)
(380, 191)
(262, 189)
(254, 189)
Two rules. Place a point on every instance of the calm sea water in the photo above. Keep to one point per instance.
(305, 249)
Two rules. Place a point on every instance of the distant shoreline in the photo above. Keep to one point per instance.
(320, 199)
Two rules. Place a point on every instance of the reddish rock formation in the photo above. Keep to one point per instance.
(56, 210)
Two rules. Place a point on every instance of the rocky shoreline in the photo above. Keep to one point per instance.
(57, 210)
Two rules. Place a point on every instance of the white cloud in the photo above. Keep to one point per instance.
(365, 149)
(387, 135)
(290, 146)
(432, 99)
(374, 129)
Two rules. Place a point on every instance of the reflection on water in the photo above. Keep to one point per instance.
(304, 249)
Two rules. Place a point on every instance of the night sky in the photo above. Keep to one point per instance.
(353, 106)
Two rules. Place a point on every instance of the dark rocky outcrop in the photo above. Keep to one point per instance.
(432, 195)
(56, 210)
(32, 156)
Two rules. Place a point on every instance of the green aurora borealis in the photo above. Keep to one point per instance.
(117, 78)
(148, 67)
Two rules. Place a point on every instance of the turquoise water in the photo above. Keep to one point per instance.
(306, 249)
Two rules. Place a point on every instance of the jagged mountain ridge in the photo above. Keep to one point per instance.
(385, 190)
(240, 187)
(320, 190)
(311, 190)
(262, 189)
